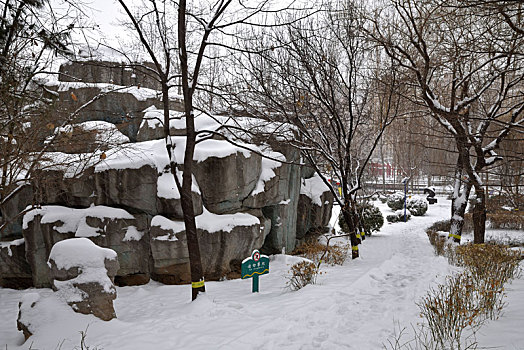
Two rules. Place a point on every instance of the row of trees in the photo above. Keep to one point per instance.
(340, 75)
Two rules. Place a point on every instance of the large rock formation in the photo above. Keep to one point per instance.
(256, 196)
(216, 234)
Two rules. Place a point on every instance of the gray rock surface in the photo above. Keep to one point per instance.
(218, 250)
(109, 72)
(226, 182)
(147, 131)
(132, 189)
(129, 237)
(311, 216)
(283, 214)
(52, 187)
(10, 212)
(15, 271)
(39, 239)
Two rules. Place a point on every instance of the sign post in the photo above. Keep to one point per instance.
(255, 266)
(405, 182)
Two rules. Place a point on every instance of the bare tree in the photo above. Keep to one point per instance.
(468, 79)
(315, 76)
(32, 35)
(198, 28)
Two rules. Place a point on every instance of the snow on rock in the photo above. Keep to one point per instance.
(238, 127)
(74, 220)
(154, 118)
(106, 132)
(167, 225)
(153, 153)
(206, 221)
(83, 274)
(268, 169)
(10, 244)
(225, 222)
(219, 149)
(132, 234)
(140, 93)
(313, 188)
(136, 155)
(81, 253)
(166, 185)
(26, 314)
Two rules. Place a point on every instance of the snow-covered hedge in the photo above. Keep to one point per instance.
(372, 218)
(396, 201)
(398, 216)
(418, 206)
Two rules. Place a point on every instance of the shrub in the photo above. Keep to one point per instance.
(398, 216)
(489, 261)
(302, 274)
(437, 234)
(449, 309)
(504, 219)
(469, 298)
(438, 240)
(444, 225)
(313, 250)
(342, 223)
(418, 206)
(396, 201)
(371, 216)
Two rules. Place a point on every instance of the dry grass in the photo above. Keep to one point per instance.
(313, 250)
(466, 299)
(504, 219)
(302, 274)
(436, 237)
(449, 309)
(489, 262)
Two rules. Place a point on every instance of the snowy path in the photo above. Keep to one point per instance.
(354, 306)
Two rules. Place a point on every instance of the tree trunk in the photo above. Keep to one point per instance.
(459, 203)
(349, 216)
(479, 216)
(197, 272)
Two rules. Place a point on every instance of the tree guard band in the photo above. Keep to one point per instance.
(354, 248)
(198, 284)
(454, 236)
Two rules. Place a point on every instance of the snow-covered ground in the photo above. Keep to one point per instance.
(354, 306)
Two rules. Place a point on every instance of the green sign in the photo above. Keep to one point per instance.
(255, 266)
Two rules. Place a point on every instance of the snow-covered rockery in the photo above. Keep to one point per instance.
(251, 195)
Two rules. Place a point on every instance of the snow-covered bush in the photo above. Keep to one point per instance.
(395, 201)
(372, 218)
(398, 216)
(418, 206)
